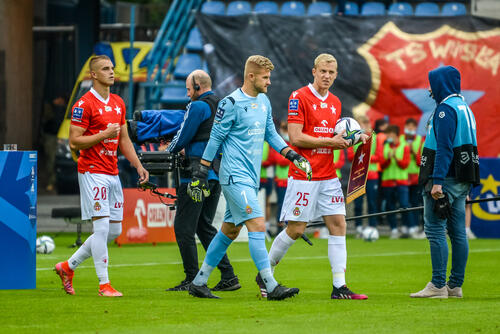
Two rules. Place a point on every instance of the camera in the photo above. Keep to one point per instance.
(160, 162)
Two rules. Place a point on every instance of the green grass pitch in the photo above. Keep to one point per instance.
(387, 270)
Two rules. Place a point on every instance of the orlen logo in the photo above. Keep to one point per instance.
(324, 128)
(158, 215)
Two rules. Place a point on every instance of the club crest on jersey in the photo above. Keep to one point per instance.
(294, 104)
(118, 110)
(334, 111)
(77, 114)
(296, 211)
(248, 209)
(97, 206)
(314, 106)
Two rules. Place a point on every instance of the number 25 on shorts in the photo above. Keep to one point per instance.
(303, 200)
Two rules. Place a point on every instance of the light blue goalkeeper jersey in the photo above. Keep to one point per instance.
(241, 125)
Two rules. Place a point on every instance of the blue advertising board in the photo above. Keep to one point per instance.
(18, 189)
(486, 215)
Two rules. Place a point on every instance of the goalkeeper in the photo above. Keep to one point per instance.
(242, 122)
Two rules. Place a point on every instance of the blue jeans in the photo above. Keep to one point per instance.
(393, 195)
(372, 199)
(435, 229)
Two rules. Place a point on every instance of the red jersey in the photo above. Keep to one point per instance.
(318, 114)
(94, 114)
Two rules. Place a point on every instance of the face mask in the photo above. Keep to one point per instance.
(410, 132)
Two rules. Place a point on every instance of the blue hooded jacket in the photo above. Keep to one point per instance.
(444, 81)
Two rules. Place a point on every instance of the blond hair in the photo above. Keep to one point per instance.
(257, 63)
(95, 59)
(324, 57)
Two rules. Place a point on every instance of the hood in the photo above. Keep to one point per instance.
(444, 81)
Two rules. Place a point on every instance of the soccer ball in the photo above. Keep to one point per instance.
(45, 245)
(352, 129)
(370, 234)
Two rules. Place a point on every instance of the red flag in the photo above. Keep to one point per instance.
(359, 171)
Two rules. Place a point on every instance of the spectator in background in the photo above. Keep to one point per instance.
(394, 163)
(381, 125)
(415, 143)
(281, 175)
(468, 218)
(266, 180)
(372, 183)
(52, 118)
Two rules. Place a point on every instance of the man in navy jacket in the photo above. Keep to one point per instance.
(196, 217)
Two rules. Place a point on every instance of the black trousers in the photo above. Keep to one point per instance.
(196, 218)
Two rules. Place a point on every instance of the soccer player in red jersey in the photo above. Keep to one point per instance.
(312, 114)
(97, 129)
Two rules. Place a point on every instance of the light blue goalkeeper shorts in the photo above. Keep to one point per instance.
(241, 203)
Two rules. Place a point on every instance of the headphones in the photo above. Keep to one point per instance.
(195, 85)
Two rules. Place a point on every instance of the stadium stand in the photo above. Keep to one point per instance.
(400, 8)
(194, 42)
(427, 9)
(351, 9)
(238, 8)
(186, 64)
(319, 8)
(372, 8)
(293, 8)
(453, 9)
(213, 8)
(266, 7)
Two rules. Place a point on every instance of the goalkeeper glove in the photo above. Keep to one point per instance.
(300, 162)
(198, 188)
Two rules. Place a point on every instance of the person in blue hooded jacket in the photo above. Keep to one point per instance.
(449, 166)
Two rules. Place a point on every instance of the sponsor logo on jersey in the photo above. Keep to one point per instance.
(97, 206)
(107, 108)
(220, 110)
(323, 105)
(294, 104)
(293, 114)
(296, 211)
(323, 129)
(248, 209)
(77, 114)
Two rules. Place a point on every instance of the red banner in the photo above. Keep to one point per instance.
(359, 172)
(145, 218)
(400, 62)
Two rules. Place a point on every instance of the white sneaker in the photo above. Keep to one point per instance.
(394, 234)
(456, 292)
(359, 232)
(418, 235)
(470, 234)
(404, 230)
(430, 291)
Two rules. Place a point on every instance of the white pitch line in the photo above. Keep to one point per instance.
(149, 264)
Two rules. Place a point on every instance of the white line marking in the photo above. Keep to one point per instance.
(149, 264)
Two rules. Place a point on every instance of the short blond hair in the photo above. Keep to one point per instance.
(95, 59)
(324, 57)
(257, 63)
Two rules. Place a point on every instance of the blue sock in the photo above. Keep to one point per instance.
(258, 251)
(215, 252)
